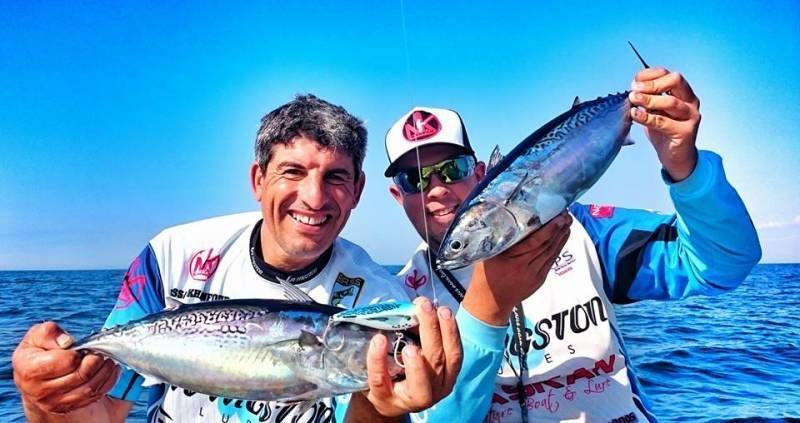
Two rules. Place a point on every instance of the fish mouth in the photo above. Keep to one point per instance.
(452, 264)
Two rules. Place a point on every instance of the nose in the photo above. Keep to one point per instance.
(312, 192)
(437, 189)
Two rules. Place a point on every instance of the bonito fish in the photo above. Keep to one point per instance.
(537, 180)
(252, 349)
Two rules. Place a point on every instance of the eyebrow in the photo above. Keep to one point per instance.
(336, 170)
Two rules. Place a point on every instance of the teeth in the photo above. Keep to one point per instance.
(443, 211)
(308, 220)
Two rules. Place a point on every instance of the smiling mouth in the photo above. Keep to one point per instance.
(309, 220)
(443, 212)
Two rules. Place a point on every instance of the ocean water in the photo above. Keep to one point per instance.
(735, 357)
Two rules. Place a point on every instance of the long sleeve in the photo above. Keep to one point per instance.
(140, 295)
(708, 247)
(472, 394)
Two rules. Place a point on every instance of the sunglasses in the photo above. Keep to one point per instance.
(449, 171)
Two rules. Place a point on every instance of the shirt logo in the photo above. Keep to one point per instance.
(201, 267)
(421, 125)
(601, 212)
(132, 286)
(563, 263)
(415, 280)
(345, 291)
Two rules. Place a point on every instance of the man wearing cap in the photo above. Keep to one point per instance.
(560, 355)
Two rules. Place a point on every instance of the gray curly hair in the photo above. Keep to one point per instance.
(308, 116)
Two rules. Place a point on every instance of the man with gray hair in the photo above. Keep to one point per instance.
(307, 178)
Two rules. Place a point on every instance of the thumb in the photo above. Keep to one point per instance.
(49, 336)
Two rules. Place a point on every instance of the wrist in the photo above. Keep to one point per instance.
(486, 309)
(681, 167)
(32, 412)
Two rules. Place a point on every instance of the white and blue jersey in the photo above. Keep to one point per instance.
(219, 259)
(576, 367)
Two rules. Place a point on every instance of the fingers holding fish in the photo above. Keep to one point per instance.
(560, 240)
(430, 336)
(86, 393)
(417, 392)
(454, 354)
(391, 398)
(440, 351)
(39, 360)
(540, 240)
(665, 105)
(659, 80)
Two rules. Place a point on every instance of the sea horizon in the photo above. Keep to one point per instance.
(700, 359)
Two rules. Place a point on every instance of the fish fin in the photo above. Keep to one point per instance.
(646, 66)
(293, 293)
(628, 141)
(301, 405)
(494, 158)
(576, 102)
(517, 190)
(150, 380)
(173, 304)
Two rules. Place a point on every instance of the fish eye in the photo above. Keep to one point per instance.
(455, 245)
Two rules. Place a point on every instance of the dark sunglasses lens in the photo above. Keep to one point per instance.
(454, 170)
(408, 181)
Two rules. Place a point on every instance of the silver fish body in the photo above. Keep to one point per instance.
(245, 349)
(537, 180)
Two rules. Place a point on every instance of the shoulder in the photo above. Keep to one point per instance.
(347, 252)
(206, 230)
(351, 261)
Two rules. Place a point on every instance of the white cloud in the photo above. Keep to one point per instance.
(778, 224)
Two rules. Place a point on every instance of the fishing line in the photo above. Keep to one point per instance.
(416, 149)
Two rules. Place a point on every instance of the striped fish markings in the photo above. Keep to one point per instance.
(255, 349)
(537, 180)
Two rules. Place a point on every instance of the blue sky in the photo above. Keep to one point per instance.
(119, 119)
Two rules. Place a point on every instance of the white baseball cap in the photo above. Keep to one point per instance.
(424, 126)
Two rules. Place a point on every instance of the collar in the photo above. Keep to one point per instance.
(272, 274)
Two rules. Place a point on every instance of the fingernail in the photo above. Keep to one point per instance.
(426, 305)
(445, 313)
(638, 96)
(410, 351)
(378, 341)
(64, 340)
(637, 86)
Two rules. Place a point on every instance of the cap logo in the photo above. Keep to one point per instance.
(421, 125)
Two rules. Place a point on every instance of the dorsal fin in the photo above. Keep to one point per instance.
(293, 293)
(517, 189)
(576, 102)
(494, 158)
(173, 304)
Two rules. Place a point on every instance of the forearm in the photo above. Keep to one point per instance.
(713, 224)
(106, 410)
(483, 353)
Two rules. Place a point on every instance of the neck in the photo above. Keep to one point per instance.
(433, 247)
(279, 259)
(283, 262)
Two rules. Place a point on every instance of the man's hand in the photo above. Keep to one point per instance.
(54, 379)
(430, 370)
(501, 282)
(671, 117)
